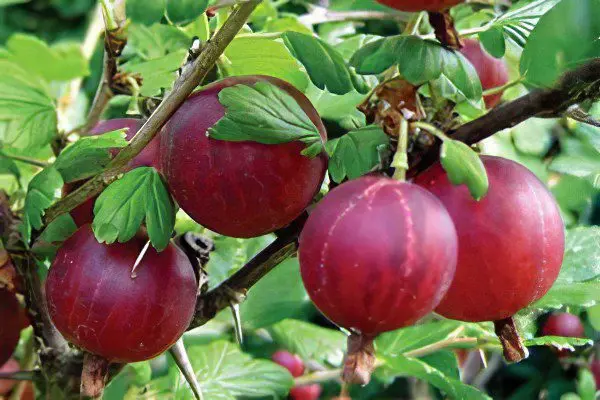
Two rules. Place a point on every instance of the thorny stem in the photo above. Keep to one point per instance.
(400, 161)
(192, 75)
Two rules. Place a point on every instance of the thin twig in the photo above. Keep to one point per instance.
(19, 375)
(319, 15)
(192, 75)
(27, 160)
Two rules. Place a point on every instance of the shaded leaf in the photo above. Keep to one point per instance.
(463, 165)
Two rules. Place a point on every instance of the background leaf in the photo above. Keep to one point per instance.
(463, 165)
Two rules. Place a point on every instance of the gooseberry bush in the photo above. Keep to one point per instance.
(299, 199)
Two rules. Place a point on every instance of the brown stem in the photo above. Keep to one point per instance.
(359, 362)
(576, 86)
(93, 376)
(445, 32)
(191, 76)
(209, 304)
(512, 345)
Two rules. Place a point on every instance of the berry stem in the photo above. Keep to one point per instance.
(431, 129)
(93, 376)
(500, 89)
(512, 345)
(360, 359)
(400, 161)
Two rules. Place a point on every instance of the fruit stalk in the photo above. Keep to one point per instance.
(93, 376)
(359, 362)
(400, 161)
(512, 345)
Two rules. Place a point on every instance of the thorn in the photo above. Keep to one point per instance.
(185, 366)
(237, 321)
(483, 358)
(139, 259)
(579, 114)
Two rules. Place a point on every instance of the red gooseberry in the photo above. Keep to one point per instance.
(290, 361)
(492, 72)
(420, 5)
(11, 322)
(240, 189)
(376, 255)
(511, 244)
(100, 305)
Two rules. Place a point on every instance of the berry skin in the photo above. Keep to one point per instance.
(149, 157)
(11, 317)
(377, 254)
(239, 189)
(420, 5)
(97, 305)
(290, 361)
(6, 385)
(306, 392)
(511, 242)
(492, 71)
(563, 324)
(595, 368)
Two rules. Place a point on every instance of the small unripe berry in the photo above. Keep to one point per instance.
(563, 324)
(290, 361)
(306, 392)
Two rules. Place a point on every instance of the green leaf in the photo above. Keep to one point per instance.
(225, 373)
(341, 109)
(356, 153)
(516, 24)
(463, 165)
(444, 361)
(43, 189)
(309, 341)
(586, 384)
(59, 230)
(493, 41)
(145, 12)
(279, 295)
(561, 343)
(150, 42)
(419, 61)
(565, 37)
(572, 294)
(325, 66)
(199, 28)
(253, 54)
(577, 158)
(582, 256)
(89, 155)
(185, 11)
(139, 195)
(61, 62)
(27, 113)
(4, 3)
(410, 338)
(286, 23)
(534, 136)
(158, 73)
(454, 388)
(231, 254)
(9, 167)
(263, 113)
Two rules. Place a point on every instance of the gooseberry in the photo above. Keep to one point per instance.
(376, 255)
(563, 324)
(100, 304)
(306, 392)
(492, 72)
(290, 361)
(420, 5)
(511, 245)
(240, 189)
(10, 366)
(11, 317)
